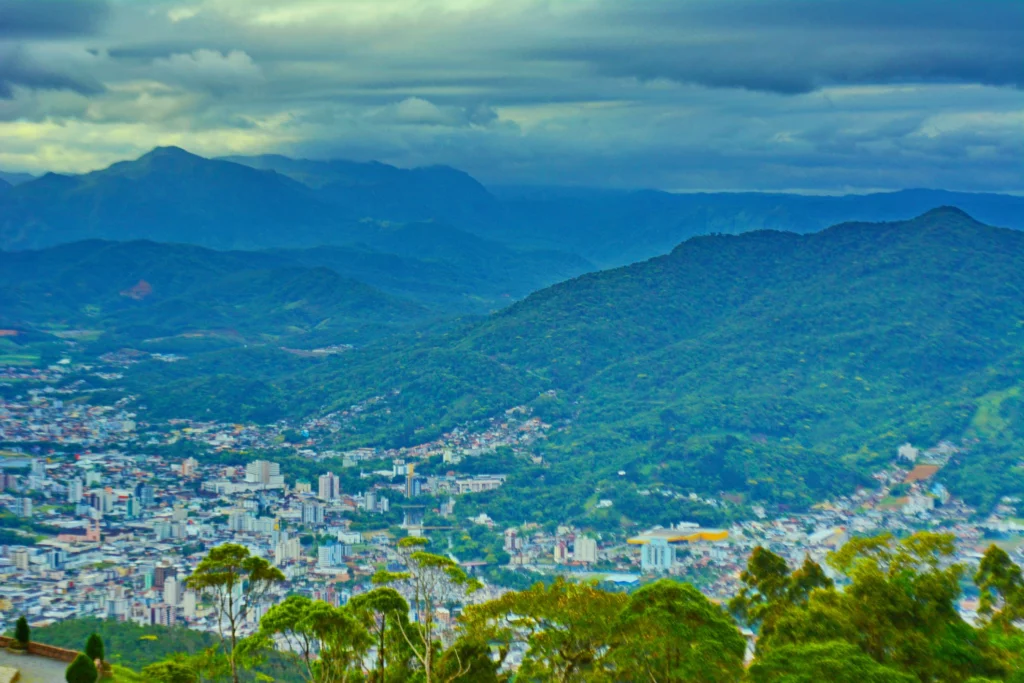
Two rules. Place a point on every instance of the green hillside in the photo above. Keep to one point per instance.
(138, 291)
(779, 366)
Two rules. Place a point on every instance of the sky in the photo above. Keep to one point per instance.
(801, 95)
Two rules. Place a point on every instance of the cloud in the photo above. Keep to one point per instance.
(208, 70)
(418, 111)
(42, 69)
(24, 19)
(676, 94)
(798, 46)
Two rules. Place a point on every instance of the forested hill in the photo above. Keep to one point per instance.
(780, 365)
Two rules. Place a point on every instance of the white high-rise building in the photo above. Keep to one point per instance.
(75, 491)
(585, 550)
(188, 602)
(265, 473)
(329, 488)
(312, 513)
(172, 591)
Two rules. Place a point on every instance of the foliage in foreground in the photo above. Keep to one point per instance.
(885, 611)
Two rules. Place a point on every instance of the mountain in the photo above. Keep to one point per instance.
(167, 195)
(15, 178)
(776, 366)
(382, 191)
(614, 228)
(132, 292)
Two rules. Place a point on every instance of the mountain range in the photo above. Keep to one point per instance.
(170, 195)
(771, 365)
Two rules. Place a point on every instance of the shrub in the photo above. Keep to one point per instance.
(82, 670)
(22, 634)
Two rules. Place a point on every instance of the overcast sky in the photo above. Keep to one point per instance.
(809, 95)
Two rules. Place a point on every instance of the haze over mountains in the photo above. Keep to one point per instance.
(273, 201)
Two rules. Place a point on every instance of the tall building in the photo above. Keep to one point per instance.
(657, 555)
(172, 591)
(39, 468)
(23, 507)
(161, 573)
(188, 602)
(265, 473)
(329, 487)
(21, 559)
(75, 491)
(370, 501)
(188, 467)
(146, 495)
(561, 552)
(162, 615)
(132, 508)
(585, 550)
(312, 513)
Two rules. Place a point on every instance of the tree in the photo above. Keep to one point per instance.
(1000, 585)
(770, 589)
(237, 581)
(432, 581)
(833, 661)
(81, 670)
(899, 608)
(208, 665)
(381, 609)
(94, 648)
(330, 641)
(669, 632)
(22, 633)
(567, 628)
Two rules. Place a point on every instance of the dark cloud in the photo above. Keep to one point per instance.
(19, 68)
(25, 19)
(798, 46)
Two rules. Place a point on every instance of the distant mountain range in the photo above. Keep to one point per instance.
(777, 366)
(269, 201)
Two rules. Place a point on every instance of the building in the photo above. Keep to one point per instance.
(287, 550)
(132, 508)
(189, 466)
(329, 487)
(331, 556)
(188, 602)
(161, 573)
(561, 552)
(585, 550)
(312, 513)
(479, 484)
(264, 473)
(172, 591)
(657, 555)
(23, 507)
(75, 491)
(146, 495)
(163, 615)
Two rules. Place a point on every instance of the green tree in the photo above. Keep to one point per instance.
(432, 581)
(22, 633)
(670, 633)
(899, 608)
(769, 589)
(94, 647)
(237, 581)
(81, 670)
(1001, 586)
(833, 661)
(381, 609)
(330, 641)
(567, 629)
